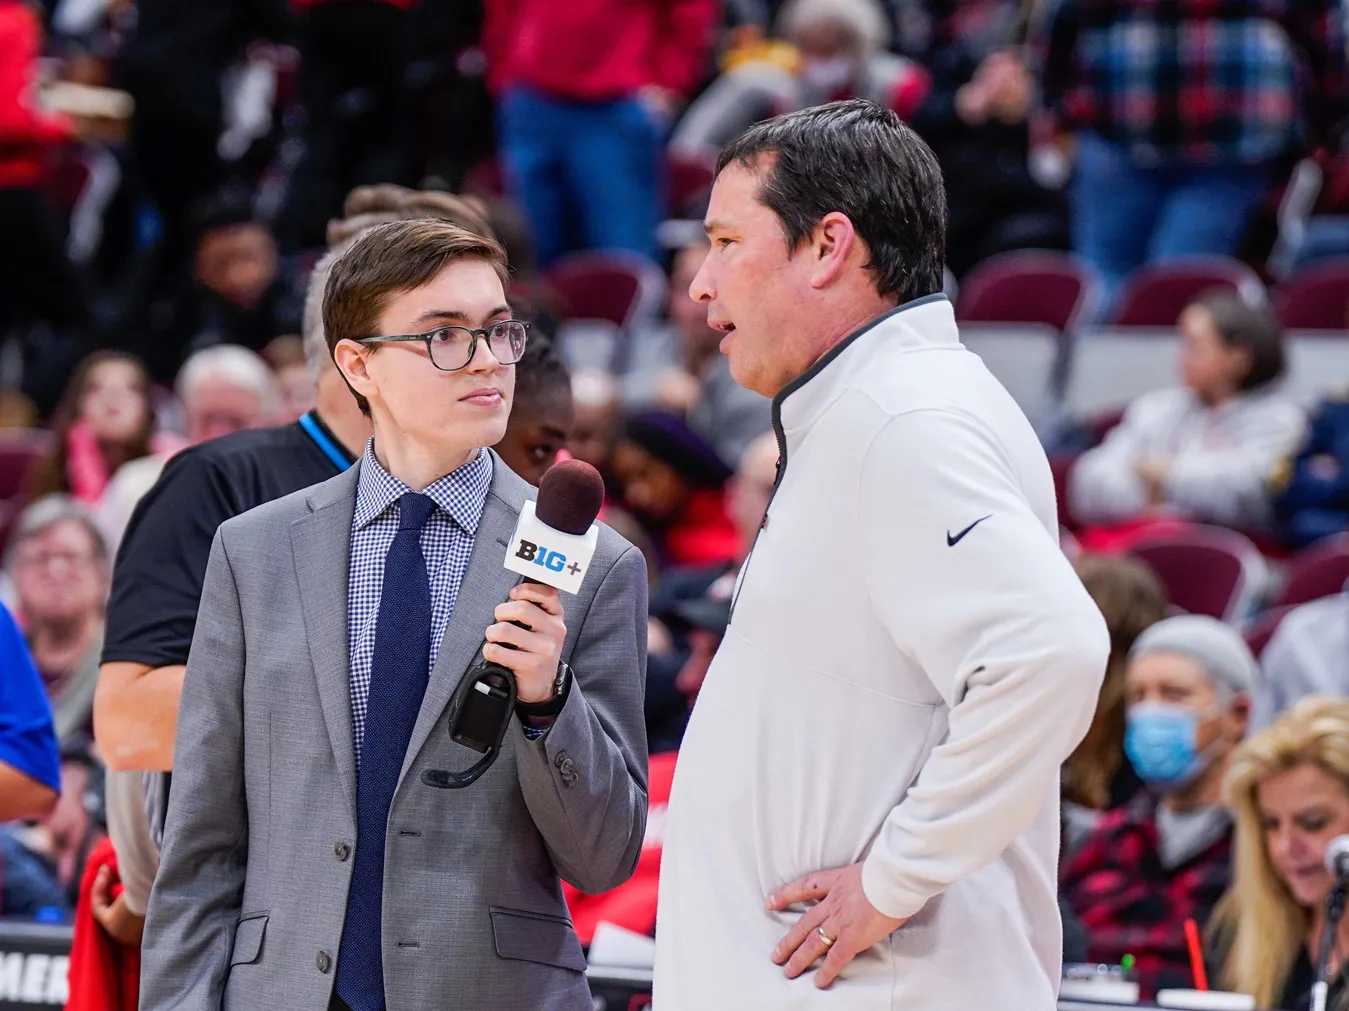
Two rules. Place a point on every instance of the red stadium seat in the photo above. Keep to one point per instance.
(1156, 295)
(19, 451)
(1318, 570)
(1205, 569)
(1029, 286)
(619, 287)
(1316, 297)
(1262, 628)
(688, 181)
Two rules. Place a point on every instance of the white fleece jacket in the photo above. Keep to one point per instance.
(889, 690)
(1222, 458)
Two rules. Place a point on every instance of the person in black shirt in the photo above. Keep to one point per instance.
(160, 566)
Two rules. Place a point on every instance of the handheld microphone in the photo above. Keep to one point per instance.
(554, 542)
(1337, 862)
(1337, 857)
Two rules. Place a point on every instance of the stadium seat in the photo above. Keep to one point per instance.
(1316, 297)
(1318, 570)
(1111, 366)
(1031, 286)
(1156, 295)
(1262, 627)
(688, 181)
(1205, 570)
(19, 451)
(606, 293)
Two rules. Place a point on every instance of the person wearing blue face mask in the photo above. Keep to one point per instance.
(1166, 856)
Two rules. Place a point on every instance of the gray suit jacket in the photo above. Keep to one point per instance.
(248, 906)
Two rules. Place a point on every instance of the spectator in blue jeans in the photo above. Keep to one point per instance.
(1181, 112)
(30, 768)
(586, 89)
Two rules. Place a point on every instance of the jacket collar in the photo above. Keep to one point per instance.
(924, 322)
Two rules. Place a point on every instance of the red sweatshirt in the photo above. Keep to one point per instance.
(593, 50)
(26, 133)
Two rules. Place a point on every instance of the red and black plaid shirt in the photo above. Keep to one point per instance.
(1130, 904)
(1212, 81)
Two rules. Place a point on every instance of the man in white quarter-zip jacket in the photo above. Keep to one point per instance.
(865, 810)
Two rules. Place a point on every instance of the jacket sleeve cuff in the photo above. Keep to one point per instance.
(889, 896)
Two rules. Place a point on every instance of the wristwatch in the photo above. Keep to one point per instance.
(553, 706)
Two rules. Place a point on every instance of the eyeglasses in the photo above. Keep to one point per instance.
(451, 348)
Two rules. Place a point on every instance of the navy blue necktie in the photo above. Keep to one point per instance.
(398, 678)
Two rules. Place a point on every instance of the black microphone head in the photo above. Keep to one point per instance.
(570, 497)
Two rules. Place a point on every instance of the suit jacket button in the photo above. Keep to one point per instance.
(323, 962)
(342, 850)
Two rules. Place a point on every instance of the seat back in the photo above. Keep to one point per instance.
(1205, 570)
(1109, 367)
(1029, 286)
(1156, 295)
(1318, 570)
(1316, 297)
(615, 287)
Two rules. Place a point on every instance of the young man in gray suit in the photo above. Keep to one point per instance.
(306, 864)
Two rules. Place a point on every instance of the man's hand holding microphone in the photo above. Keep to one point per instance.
(538, 645)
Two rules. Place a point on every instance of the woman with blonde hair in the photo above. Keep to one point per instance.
(1289, 791)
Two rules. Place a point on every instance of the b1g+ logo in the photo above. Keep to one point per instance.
(553, 561)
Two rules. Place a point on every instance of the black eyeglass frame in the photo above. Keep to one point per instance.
(475, 335)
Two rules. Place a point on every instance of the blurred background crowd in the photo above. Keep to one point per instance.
(1148, 244)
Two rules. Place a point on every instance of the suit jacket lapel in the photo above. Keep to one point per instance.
(321, 543)
(486, 583)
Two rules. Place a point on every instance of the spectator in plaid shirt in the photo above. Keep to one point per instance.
(1181, 111)
(1166, 856)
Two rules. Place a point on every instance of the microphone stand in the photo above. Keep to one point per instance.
(1334, 910)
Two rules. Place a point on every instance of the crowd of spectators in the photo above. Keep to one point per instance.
(161, 282)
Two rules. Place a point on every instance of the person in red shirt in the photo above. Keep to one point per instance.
(585, 89)
(674, 483)
(38, 283)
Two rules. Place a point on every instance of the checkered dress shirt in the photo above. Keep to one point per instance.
(447, 542)
(1208, 81)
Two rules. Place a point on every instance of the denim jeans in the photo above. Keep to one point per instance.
(588, 174)
(1126, 214)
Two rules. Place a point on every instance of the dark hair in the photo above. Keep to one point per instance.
(1131, 599)
(857, 158)
(1248, 328)
(390, 259)
(668, 437)
(226, 208)
(540, 373)
(51, 474)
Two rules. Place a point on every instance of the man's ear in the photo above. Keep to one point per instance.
(831, 244)
(350, 359)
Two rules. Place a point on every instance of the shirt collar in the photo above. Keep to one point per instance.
(460, 494)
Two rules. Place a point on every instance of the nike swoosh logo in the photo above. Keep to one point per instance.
(951, 542)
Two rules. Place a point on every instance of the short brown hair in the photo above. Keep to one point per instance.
(391, 259)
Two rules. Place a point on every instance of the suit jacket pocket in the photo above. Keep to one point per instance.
(248, 939)
(536, 937)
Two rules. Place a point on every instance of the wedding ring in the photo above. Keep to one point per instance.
(828, 941)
